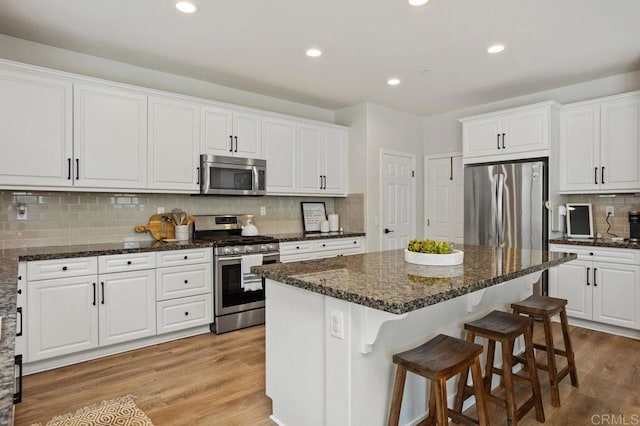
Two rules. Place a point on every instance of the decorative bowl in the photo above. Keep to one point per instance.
(456, 257)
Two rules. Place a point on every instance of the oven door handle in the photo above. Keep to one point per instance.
(264, 256)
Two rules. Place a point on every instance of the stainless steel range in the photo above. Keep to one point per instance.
(238, 295)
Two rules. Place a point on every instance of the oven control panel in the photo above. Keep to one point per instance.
(247, 249)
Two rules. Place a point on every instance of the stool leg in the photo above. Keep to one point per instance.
(488, 366)
(441, 402)
(551, 362)
(481, 404)
(508, 382)
(431, 418)
(568, 348)
(396, 398)
(462, 382)
(533, 375)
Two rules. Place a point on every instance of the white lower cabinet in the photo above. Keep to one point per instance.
(606, 291)
(295, 251)
(185, 312)
(127, 306)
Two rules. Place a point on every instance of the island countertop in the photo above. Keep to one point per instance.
(384, 281)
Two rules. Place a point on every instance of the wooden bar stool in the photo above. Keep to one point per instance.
(504, 327)
(438, 360)
(544, 308)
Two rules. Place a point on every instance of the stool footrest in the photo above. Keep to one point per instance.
(542, 347)
(461, 418)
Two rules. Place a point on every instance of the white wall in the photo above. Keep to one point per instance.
(19, 50)
(384, 128)
(443, 132)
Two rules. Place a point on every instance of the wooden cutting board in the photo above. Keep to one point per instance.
(161, 228)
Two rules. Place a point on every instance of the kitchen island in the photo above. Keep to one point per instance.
(334, 324)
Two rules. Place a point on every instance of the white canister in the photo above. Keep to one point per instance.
(182, 232)
(334, 222)
(324, 226)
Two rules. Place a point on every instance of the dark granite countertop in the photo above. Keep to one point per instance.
(384, 281)
(597, 242)
(8, 278)
(301, 236)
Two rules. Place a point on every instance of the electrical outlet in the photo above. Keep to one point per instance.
(263, 210)
(337, 324)
(160, 210)
(610, 211)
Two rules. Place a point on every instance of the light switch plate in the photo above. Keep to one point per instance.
(337, 324)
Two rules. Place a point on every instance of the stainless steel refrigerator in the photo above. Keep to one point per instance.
(504, 205)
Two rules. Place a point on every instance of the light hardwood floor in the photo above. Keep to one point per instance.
(219, 380)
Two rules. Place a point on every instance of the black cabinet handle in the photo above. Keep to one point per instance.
(230, 143)
(236, 138)
(588, 269)
(503, 147)
(387, 230)
(17, 396)
(19, 291)
(595, 283)
(197, 175)
(590, 254)
(186, 257)
(19, 277)
(102, 288)
(324, 245)
(64, 268)
(77, 168)
(355, 242)
(595, 175)
(186, 281)
(69, 168)
(19, 311)
(128, 262)
(320, 181)
(602, 176)
(186, 314)
(297, 247)
(94, 294)
(325, 181)
(498, 140)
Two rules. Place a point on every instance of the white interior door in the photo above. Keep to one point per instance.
(444, 198)
(397, 199)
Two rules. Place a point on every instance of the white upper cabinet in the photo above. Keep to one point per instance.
(600, 145)
(174, 143)
(310, 154)
(110, 137)
(513, 134)
(279, 138)
(36, 123)
(335, 161)
(231, 132)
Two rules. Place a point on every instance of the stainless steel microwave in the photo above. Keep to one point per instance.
(232, 176)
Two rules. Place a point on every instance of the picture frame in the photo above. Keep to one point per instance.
(312, 214)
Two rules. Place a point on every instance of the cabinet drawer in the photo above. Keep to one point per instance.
(334, 253)
(60, 268)
(600, 254)
(181, 281)
(184, 313)
(183, 257)
(295, 247)
(126, 262)
(338, 244)
(296, 257)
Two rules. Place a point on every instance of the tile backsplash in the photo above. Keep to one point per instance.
(61, 218)
(622, 204)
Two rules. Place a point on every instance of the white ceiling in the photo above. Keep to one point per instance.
(259, 45)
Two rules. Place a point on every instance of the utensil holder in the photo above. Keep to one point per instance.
(182, 232)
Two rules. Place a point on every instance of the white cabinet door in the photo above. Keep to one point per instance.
(620, 145)
(482, 137)
(62, 316)
(217, 130)
(525, 131)
(127, 306)
(174, 144)
(309, 149)
(36, 123)
(574, 283)
(247, 136)
(279, 137)
(616, 294)
(579, 149)
(334, 161)
(110, 137)
(445, 199)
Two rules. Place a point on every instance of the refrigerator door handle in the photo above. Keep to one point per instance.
(494, 210)
(500, 205)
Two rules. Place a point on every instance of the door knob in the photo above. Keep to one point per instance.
(387, 230)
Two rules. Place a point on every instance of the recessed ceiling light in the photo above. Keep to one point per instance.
(418, 2)
(186, 7)
(496, 48)
(314, 53)
(393, 82)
